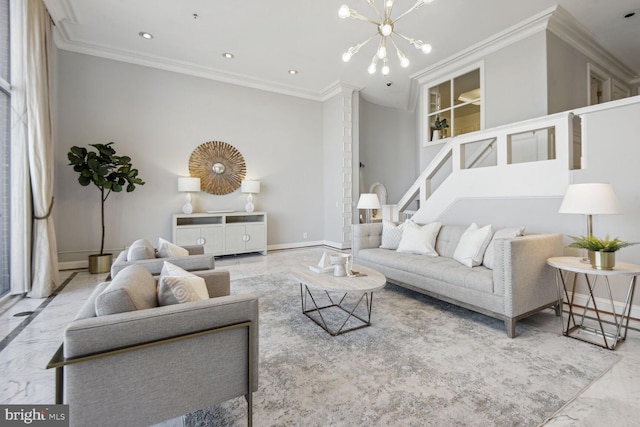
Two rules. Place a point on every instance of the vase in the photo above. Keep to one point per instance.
(436, 135)
(100, 263)
(602, 260)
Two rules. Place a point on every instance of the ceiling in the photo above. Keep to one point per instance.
(269, 38)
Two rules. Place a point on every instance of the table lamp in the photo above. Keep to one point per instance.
(188, 184)
(590, 199)
(368, 201)
(252, 187)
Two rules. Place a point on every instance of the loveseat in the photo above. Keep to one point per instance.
(149, 363)
(519, 284)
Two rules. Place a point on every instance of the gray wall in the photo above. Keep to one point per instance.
(159, 118)
(387, 149)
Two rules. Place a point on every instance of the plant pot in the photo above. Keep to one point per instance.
(602, 260)
(100, 263)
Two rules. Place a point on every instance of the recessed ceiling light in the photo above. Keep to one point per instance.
(228, 55)
(293, 72)
(145, 35)
(629, 14)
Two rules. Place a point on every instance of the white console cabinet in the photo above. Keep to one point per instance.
(224, 233)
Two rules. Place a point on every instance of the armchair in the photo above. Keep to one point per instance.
(144, 366)
(196, 260)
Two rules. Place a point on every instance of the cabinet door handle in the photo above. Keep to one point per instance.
(246, 238)
(201, 241)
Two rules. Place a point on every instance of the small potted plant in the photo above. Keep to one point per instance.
(440, 126)
(602, 252)
(108, 172)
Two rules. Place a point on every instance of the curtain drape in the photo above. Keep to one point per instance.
(20, 240)
(39, 148)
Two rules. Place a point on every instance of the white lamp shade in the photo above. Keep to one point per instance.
(188, 183)
(250, 186)
(590, 199)
(368, 201)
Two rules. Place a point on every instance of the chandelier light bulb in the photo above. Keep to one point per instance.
(382, 50)
(346, 57)
(344, 12)
(374, 65)
(386, 29)
(426, 48)
(385, 67)
(404, 62)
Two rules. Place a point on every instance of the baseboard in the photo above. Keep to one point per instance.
(294, 245)
(73, 265)
(605, 305)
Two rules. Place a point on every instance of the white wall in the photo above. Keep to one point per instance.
(515, 82)
(567, 76)
(387, 149)
(159, 118)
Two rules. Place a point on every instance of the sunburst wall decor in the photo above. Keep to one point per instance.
(219, 165)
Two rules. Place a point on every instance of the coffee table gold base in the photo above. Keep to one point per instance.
(367, 297)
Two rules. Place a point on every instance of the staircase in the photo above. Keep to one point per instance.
(525, 159)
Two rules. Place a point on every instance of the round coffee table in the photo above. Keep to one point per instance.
(365, 282)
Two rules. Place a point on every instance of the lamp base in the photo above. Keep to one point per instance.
(249, 206)
(187, 208)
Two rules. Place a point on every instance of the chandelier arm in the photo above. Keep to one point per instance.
(411, 9)
(373, 6)
(410, 40)
(356, 15)
(387, 10)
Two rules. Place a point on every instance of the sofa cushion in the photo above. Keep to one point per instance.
(448, 239)
(134, 288)
(503, 233)
(166, 249)
(177, 286)
(418, 239)
(140, 249)
(391, 234)
(472, 245)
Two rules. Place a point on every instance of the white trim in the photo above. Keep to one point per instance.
(283, 246)
(604, 304)
(450, 77)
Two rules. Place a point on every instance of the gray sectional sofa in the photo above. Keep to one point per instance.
(520, 284)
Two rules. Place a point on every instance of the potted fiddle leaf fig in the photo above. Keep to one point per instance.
(109, 172)
(602, 252)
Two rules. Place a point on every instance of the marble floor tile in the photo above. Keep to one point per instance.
(613, 399)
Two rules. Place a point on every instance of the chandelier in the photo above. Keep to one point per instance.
(385, 28)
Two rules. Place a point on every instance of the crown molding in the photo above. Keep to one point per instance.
(181, 67)
(554, 19)
(567, 28)
(478, 51)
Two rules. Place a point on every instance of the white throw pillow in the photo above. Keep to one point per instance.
(419, 239)
(472, 245)
(140, 249)
(503, 233)
(166, 249)
(176, 286)
(391, 234)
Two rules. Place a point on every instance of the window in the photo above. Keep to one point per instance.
(459, 102)
(5, 153)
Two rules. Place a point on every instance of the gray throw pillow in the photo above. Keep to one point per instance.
(140, 249)
(134, 288)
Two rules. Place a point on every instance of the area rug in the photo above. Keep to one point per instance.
(423, 362)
